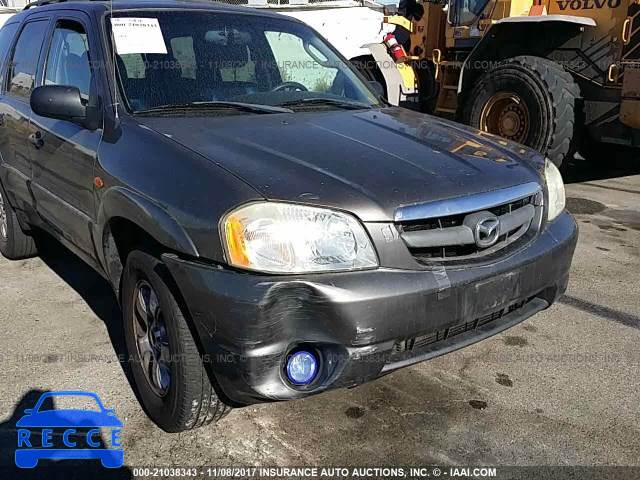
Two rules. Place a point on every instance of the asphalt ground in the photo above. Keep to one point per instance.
(561, 388)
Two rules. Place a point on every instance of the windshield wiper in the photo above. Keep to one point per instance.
(328, 102)
(215, 105)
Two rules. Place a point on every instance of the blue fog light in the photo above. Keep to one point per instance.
(302, 368)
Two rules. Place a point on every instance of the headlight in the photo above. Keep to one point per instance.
(555, 187)
(290, 238)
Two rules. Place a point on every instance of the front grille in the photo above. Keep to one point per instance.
(456, 220)
(452, 237)
(421, 341)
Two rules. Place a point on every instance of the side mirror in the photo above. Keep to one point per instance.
(28, 411)
(378, 87)
(58, 101)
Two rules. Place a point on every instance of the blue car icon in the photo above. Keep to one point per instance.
(28, 455)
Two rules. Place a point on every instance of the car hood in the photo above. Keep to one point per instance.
(368, 162)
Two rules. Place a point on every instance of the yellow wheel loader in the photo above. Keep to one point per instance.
(556, 75)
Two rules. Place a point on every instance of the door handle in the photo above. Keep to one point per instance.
(36, 140)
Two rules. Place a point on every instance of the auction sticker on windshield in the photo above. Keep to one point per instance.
(138, 35)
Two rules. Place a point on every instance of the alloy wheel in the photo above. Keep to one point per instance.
(151, 338)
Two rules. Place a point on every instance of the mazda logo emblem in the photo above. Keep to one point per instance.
(487, 231)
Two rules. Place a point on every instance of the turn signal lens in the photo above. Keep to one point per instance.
(235, 243)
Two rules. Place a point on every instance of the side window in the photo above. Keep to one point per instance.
(6, 39)
(22, 69)
(68, 57)
(469, 10)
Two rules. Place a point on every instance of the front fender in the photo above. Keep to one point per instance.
(148, 215)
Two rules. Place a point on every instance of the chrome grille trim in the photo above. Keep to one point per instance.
(456, 238)
(463, 235)
(468, 204)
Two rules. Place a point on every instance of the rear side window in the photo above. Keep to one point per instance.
(6, 39)
(22, 69)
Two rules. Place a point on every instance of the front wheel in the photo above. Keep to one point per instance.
(172, 383)
(528, 100)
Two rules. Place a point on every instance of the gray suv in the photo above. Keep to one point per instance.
(270, 226)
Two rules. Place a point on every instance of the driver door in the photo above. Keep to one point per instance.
(63, 153)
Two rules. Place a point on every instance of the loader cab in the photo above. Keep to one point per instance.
(466, 12)
(468, 20)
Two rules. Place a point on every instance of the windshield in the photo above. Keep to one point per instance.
(197, 57)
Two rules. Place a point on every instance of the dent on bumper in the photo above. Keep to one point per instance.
(247, 323)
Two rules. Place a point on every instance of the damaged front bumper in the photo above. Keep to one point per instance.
(361, 324)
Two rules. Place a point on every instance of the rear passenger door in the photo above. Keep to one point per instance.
(17, 81)
(64, 153)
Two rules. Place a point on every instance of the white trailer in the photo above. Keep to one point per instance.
(348, 25)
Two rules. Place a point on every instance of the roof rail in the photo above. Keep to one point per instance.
(40, 3)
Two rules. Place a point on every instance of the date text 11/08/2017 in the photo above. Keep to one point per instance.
(316, 472)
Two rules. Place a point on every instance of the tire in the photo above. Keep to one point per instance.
(187, 400)
(544, 93)
(14, 243)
